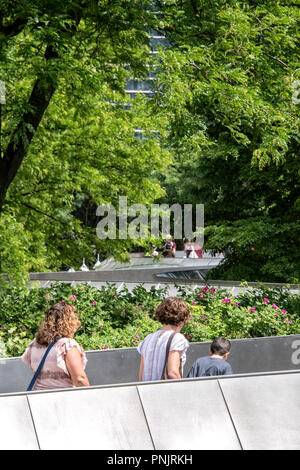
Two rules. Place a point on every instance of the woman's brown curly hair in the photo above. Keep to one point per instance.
(172, 311)
(61, 322)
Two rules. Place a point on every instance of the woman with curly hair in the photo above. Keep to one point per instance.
(66, 361)
(173, 313)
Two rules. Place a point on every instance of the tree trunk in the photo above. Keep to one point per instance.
(18, 146)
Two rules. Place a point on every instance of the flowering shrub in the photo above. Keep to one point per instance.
(215, 313)
(118, 319)
(236, 322)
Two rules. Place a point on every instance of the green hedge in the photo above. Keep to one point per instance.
(112, 319)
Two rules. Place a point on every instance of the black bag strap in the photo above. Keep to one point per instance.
(30, 387)
(165, 369)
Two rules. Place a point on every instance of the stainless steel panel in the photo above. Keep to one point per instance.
(188, 415)
(252, 355)
(114, 366)
(16, 430)
(147, 274)
(265, 410)
(90, 419)
(121, 365)
(15, 376)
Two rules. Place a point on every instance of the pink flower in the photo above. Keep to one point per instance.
(287, 320)
(190, 316)
(73, 297)
(252, 249)
(94, 303)
(283, 311)
(100, 326)
(226, 301)
(253, 309)
(213, 290)
(236, 304)
(105, 346)
(275, 306)
(205, 289)
(193, 303)
(134, 342)
(188, 336)
(138, 336)
(266, 301)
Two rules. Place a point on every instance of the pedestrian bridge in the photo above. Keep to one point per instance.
(257, 408)
(258, 411)
(119, 366)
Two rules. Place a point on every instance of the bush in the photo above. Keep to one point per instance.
(117, 319)
(215, 312)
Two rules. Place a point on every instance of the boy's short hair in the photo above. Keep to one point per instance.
(220, 346)
(172, 311)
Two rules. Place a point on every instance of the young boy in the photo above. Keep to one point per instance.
(154, 250)
(215, 363)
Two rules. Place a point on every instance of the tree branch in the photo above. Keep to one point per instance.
(34, 191)
(41, 212)
(202, 70)
(275, 58)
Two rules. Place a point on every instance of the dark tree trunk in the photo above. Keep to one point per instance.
(38, 103)
(17, 148)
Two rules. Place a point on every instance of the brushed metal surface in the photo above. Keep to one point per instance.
(265, 410)
(16, 430)
(114, 366)
(188, 415)
(121, 365)
(15, 376)
(90, 420)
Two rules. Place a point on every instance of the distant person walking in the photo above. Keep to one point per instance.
(169, 249)
(154, 251)
(215, 363)
(173, 314)
(192, 249)
(65, 363)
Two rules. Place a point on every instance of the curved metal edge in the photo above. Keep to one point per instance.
(154, 382)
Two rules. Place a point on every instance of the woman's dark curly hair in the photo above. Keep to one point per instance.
(61, 322)
(172, 311)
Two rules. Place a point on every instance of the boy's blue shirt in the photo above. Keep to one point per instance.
(208, 366)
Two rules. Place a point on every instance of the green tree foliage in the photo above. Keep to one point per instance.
(228, 85)
(67, 141)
